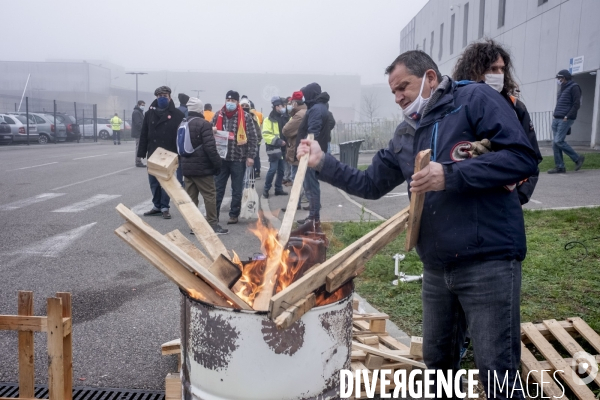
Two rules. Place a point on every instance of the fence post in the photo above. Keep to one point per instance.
(56, 126)
(27, 115)
(95, 112)
(26, 353)
(83, 125)
(123, 130)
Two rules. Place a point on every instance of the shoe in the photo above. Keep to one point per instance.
(579, 162)
(220, 231)
(232, 220)
(288, 183)
(166, 215)
(306, 208)
(281, 193)
(284, 209)
(192, 232)
(257, 175)
(119, 143)
(140, 165)
(266, 194)
(152, 212)
(304, 221)
(557, 171)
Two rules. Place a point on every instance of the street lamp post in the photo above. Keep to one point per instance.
(136, 82)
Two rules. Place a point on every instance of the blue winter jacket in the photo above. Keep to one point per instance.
(475, 217)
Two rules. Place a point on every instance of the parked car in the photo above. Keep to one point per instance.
(5, 132)
(46, 128)
(105, 131)
(18, 127)
(71, 126)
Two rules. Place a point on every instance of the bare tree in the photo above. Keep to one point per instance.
(370, 106)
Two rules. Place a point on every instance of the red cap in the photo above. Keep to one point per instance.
(297, 96)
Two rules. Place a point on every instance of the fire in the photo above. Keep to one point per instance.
(297, 257)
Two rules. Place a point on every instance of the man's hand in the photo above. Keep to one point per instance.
(249, 162)
(429, 179)
(311, 147)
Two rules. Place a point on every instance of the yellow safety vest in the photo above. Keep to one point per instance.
(116, 123)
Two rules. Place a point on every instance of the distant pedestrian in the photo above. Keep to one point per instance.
(160, 130)
(115, 124)
(259, 118)
(296, 110)
(567, 103)
(137, 120)
(287, 167)
(199, 168)
(208, 113)
(183, 99)
(241, 150)
(271, 130)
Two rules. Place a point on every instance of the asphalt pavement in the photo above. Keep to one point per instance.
(57, 204)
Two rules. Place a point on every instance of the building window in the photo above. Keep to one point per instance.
(466, 26)
(540, 2)
(501, 13)
(441, 52)
(431, 44)
(481, 18)
(452, 18)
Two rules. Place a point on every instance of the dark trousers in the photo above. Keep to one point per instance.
(235, 170)
(276, 169)
(160, 198)
(205, 186)
(257, 161)
(559, 145)
(483, 296)
(116, 136)
(313, 193)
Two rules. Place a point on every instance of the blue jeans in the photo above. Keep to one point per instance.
(559, 129)
(313, 193)
(483, 296)
(257, 161)
(160, 198)
(287, 167)
(275, 167)
(117, 136)
(235, 170)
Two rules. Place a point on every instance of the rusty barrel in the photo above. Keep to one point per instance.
(230, 354)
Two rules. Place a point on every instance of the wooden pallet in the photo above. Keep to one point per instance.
(563, 332)
(172, 380)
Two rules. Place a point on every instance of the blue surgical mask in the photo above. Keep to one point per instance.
(162, 102)
(230, 106)
(282, 110)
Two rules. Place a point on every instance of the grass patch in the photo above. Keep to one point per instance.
(363, 167)
(557, 283)
(592, 161)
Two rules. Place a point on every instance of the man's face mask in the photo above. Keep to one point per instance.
(163, 102)
(415, 109)
(230, 106)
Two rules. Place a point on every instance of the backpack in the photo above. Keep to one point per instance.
(184, 143)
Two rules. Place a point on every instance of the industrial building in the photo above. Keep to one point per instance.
(543, 36)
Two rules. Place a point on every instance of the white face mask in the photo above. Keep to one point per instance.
(558, 82)
(496, 81)
(142, 108)
(415, 109)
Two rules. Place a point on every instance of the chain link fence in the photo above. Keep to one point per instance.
(376, 134)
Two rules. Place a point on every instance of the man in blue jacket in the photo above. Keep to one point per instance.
(472, 236)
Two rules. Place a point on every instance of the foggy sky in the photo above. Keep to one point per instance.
(310, 36)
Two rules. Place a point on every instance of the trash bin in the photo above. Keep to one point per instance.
(349, 152)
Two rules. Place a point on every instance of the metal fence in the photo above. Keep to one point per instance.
(376, 134)
(542, 122)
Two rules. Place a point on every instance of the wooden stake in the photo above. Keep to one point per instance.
(65, 299)
(162, 163)
(56, 383)
(315, 278)
(26, 352)
(416, 204)
(184, 244)
(181, 256)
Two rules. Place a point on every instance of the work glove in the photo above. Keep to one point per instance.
(466, 150)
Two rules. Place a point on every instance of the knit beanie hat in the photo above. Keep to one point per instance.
(194, 104)
(563, 73)
(232, 94)
(245, 101)
(183, 98)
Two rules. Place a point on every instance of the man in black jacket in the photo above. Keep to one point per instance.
(200, 168)
(137, 120)
(160, 130)
(567, 103)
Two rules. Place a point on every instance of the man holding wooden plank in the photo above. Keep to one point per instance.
(472, 234)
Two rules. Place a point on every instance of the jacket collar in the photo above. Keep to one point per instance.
(297, 109)
(443, 98)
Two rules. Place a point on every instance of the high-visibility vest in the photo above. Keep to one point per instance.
(116, 123)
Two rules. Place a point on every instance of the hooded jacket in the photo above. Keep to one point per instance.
(317, 118)
(205, 160)
(568, 101)
(159, 130)
(137, 120)
(290, 132)
(474, 218)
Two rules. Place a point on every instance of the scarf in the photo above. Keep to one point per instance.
(241, 138)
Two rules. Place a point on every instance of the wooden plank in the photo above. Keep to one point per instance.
(587, 332)
(225, 271)
(373, 362)
(416, 204)
(355, 304)
(190, 248)
(568, 326)
(369, 340)
(377, 325)
(568, 343)
(549, 367)
(355, 264)
(162, 163)
(26, 348)
(386, 339)
(67, 345)
(316, 277)
(172, 269)
(358, 355)
(172, 347)
(56, 378)
(182, 257)
(369, 316)
(530, 363)
(194, 218)
(563, 370)
(173, 387)
(416, 346)
(295, 312)
(387, 354)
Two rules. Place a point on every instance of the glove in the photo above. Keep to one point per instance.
(465, 150)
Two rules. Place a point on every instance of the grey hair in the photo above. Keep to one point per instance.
(417, 62)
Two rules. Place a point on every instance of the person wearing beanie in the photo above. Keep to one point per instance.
(271, 129)
(568, 101)
(246, 106)
(200, 168)
(183, 99)
(208, 112)
(241, 150)
(159, 129)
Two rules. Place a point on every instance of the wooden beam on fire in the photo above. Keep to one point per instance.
(182, 257)
(416, 203)
(162, 165)
(316, 277)
(261, 302)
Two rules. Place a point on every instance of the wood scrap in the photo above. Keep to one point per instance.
(369, 316)
(373, 362)
(416, 204)
(416, 346)
(377, 325)
(369, 340)
(386, 354)
(162, 163)
(295, 312)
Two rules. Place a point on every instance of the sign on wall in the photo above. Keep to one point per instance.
(576, 65)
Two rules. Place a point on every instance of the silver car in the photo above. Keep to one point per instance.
(46, 129)
(18, 126)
